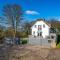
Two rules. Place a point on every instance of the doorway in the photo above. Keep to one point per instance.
(40, 34)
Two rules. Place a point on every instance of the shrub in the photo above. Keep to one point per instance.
(58, 39)
(58, 45)
(21, 34)
(24, 41)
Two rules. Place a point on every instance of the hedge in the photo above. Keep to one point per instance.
(24, 41)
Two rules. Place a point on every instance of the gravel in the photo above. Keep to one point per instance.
(28, 52)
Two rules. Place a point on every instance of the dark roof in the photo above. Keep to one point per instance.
(41, 20)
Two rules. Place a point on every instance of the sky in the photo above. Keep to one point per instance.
(35, 9)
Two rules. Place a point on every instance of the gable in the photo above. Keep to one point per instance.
(38, 22)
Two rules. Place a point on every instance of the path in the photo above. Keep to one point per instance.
(29, 52)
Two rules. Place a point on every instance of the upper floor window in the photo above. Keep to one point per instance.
(43, 25)
(35, 26)
(39, 27)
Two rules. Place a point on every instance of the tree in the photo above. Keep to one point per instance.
(13, 14)
(27, 26)
(9, 33)
(55, 24)
(2, 35)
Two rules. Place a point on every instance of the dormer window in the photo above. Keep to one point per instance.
(43, 25)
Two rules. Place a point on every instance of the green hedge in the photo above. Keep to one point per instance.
(24, 41)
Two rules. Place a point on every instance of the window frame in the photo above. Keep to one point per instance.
(43, 25)
(35, 26)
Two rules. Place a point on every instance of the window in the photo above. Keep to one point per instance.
(40, 33)
(49, 41)
(34, 32)
(52, 37)
(44, 25)
(39, 27)
(35, 26)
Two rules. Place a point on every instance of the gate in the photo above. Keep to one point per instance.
(45, 42)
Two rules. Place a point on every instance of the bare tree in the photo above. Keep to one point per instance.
(55, 24)
(13, 14)
(27, 26)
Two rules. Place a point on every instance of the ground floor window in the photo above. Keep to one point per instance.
(49, 41)
(40, 34)
(33, 32)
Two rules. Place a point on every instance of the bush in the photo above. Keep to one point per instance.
(24, 41)
(58, 39)
(22, 34)
(58, 45)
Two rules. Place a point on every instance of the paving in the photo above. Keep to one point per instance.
(28, 52)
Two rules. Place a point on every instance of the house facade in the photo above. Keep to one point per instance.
(42, 34)
(40, 28)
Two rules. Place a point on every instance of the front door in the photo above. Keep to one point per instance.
(40, 34)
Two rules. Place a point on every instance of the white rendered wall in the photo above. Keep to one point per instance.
(45, 30)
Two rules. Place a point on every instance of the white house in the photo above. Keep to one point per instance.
(42, 33)
(40, 28)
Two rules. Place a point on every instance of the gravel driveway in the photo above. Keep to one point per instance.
(28, 52)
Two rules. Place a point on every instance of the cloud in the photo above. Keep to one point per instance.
(31, 12)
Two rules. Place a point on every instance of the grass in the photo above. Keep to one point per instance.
(58, 45)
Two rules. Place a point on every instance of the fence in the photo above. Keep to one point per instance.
(46, 42)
